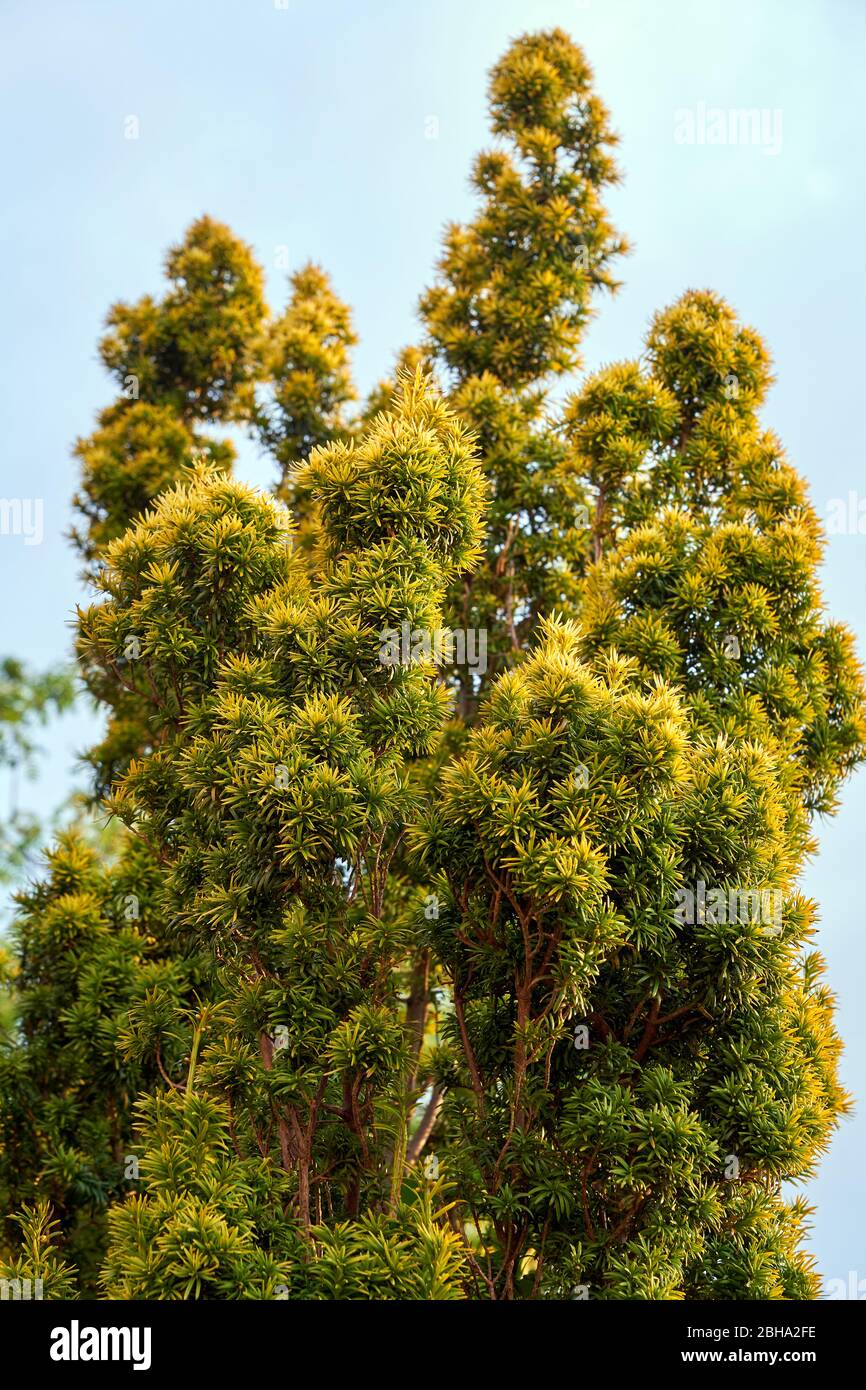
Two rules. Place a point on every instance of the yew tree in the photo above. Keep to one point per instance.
(407, 975)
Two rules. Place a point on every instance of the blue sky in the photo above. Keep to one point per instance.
(307, 127)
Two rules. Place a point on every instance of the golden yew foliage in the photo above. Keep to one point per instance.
(372, 934)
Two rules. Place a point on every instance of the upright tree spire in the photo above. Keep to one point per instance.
(514, 288)
(178, 361)
(505, 317)
(305, 361)
(192, 348)
(708, 547)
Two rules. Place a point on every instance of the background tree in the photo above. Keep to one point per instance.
(27, 699)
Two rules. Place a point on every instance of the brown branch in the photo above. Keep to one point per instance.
(287, 1156)
(416, 1010)
(425, 1128)
(597, 529)
(650, 1030)
(164, 1074)
(590, 1162)
(503, 554)
(467, 1050)
(696, 1007)
(628, 1220)
(634, 1017)
(602, 1024)
(539, 1268)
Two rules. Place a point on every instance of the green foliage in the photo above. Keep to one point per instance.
(579, 809)
(138, 451)
(37, 1268)
(187, 358)
(505, 318)
(178, 361)
(86, 943)
(514, 288)
(275, 795)
(26, 699)
(441, 982)
(177, 584)
(192, 348)
(214, 1226)
(708, 548)
(305, 357)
